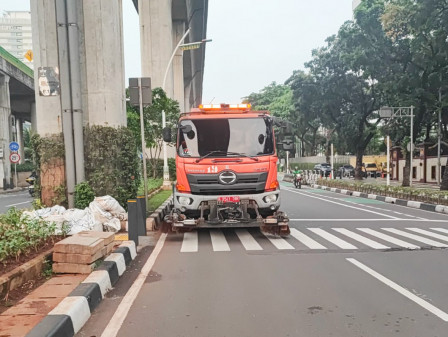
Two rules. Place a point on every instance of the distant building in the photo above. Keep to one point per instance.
(15, 34)
(355, 3)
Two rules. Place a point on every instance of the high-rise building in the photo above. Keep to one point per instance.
(15, 34)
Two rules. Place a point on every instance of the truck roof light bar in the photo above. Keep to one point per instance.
(216, 107)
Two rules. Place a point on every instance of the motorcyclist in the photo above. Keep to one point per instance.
(297, 175)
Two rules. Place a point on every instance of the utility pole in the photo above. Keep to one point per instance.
(439, 136)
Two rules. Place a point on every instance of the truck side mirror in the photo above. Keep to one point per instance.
(166, 134)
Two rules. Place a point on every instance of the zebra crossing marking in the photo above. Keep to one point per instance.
(428, 233)
(278, 242)
(388, 238)
(333, 239)
(190, 242)
(306, 240)
(219, 242)
(416, 237)
(247, 240)
(360, 238)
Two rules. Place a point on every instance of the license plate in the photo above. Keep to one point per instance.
(228, 199)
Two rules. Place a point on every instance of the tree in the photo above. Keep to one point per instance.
(153, 124)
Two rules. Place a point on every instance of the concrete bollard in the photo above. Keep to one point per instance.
(133, 222)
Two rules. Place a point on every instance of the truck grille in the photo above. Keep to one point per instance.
(246, 183)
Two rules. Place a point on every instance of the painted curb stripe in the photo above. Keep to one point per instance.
(100, 277)
(76, 307)
(126, 254)
(119, 261)
(112, 269)
(91, 291)
(53, 326)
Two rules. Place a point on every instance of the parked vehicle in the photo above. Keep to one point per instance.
(371, 170)
(346, 171)
(226, 165)
(324, 169)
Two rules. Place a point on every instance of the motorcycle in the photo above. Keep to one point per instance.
(298, 180)
(31, 180)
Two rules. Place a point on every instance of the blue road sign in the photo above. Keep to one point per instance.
(13, 146)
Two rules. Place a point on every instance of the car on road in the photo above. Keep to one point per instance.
(324, 169)
(346, 171)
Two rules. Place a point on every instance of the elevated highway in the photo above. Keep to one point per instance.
(16, 103)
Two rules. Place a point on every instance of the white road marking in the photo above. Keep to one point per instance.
(340, 204)
(388, 238)
(360, 238)
(424, 304)
(19, 203)
(333, 239)
(278, 242)
(443, 230)
(247, 240)
(219, 242)
(428, 233)
(190, 242)
(416, 237)
(306, 240)
(122, 311)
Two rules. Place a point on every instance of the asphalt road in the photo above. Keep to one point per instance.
(351, 267)
(20, 200)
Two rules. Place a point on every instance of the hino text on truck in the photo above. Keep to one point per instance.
(226, 166)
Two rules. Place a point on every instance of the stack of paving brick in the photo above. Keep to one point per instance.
(78, 253)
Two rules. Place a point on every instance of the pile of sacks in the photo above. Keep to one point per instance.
(103, 214)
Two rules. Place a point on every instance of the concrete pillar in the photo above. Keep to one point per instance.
(48, 114)
(102, 58)
(156, 41)
(5, 113)
(178, 65)
(33, 117)
(19, 131)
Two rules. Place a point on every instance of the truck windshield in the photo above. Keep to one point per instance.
(225, 137)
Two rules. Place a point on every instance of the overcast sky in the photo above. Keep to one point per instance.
(255, 42)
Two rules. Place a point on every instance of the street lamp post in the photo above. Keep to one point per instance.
(194, 45)
(392, 112)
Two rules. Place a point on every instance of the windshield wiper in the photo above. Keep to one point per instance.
(209, 154)
(226, 153)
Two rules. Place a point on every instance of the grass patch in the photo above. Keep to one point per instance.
(153, 184)
(158, 200)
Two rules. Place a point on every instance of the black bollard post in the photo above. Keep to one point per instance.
(141, 206)
(133, 221)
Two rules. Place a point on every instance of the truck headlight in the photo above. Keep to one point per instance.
(269, 199)
(185, 201)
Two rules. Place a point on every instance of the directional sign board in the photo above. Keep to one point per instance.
(14, 146)
(14, 158)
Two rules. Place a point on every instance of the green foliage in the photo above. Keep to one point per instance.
(47, 270)
(26, 167)
(84, 195)
(153, 125)
(19, 235)
(111, 162)
(158, 200)
(157, 167)
(153, 184)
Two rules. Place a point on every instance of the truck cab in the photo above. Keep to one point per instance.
(226, 165)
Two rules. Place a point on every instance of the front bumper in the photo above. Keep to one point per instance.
(196, 200)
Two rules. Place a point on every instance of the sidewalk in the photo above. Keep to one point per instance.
(16, 189)
(383, 181)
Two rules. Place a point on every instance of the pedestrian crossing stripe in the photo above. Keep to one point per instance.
(320, 239)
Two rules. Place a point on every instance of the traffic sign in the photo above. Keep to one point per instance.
(14, 158)
(13, 146)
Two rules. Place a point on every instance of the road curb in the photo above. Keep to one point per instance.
(402, 202)
(73, 312)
